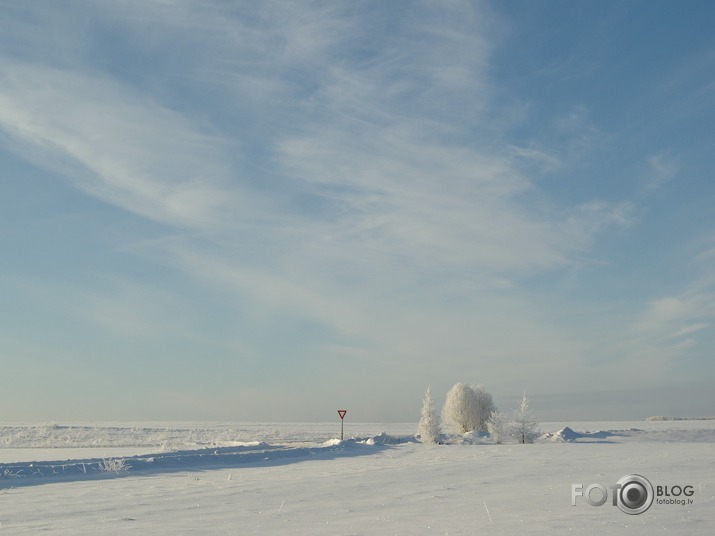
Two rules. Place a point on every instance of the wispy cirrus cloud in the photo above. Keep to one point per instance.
(114, 143)
(374, 185)
(663, 168)
(664, 333)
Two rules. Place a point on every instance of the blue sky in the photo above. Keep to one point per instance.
(267, 211)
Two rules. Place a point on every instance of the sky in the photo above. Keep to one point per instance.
(268, 211)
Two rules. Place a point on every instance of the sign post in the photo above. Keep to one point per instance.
(342, 413)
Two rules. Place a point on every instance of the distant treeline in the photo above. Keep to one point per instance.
(662, 418)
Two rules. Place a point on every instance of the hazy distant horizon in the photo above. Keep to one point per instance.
(688, 402)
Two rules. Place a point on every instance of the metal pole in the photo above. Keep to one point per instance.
(342, 420)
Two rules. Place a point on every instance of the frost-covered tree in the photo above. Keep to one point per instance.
(460, 413)
(524, 427)
(485, 407)
(467, 409)
(429, 427)
(496, 426)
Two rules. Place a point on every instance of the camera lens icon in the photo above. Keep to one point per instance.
(635, 494)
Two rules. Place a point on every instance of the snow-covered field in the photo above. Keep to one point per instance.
(228, 478)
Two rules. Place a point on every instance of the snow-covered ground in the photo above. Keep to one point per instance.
(228, 478)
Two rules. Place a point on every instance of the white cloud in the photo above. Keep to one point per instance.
(547, 161)
(689, 329)
(372, 143)
(676, 316)
(270, 292)
(666, 330)
(114, 143)
(399, 204)
(663, 168)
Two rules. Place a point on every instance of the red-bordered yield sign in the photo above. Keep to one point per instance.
(342, 413)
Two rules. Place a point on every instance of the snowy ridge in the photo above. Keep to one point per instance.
(168, 436)
(566, 435)
(185, 460)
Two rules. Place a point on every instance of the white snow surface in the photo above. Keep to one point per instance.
(298, 478)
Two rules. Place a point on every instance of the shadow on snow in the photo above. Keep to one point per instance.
(254, 454)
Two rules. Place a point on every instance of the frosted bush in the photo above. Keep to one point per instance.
(496, 426)
(114, 465)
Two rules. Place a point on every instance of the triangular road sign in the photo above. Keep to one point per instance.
(342, 413)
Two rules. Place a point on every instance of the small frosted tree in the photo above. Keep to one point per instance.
(460, 414)
(484, 406)
(429, 426)
(524, 427)
(496, 426)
